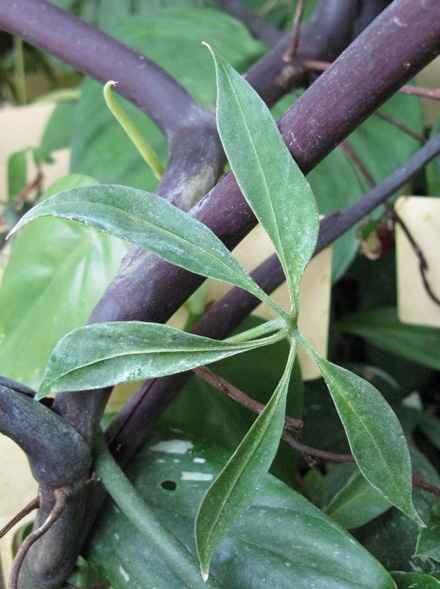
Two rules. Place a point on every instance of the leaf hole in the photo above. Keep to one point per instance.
(169, 485)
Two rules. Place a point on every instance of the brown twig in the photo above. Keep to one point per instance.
(294, 40)
(29, 188)
(307, 451)
(425, 486)
(322, 454)
(422, 91)
(350, 152)
(423, 263)
(401, 126)
(333, 457)
(316, 64)
(225, 386)
(34, 504)
(62, 496)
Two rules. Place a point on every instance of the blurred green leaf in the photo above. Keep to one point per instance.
(428, 543)
(356, 503)
(282, 542)
(430, 426)
(56, 274)
(153, 223)
(392, 536)
(234, 490)
(105, 354)
(433, 168)
(17, 172)
(111, 12)
(382, 328)
(269, 178)
(60, 128)
(64, 4)
(172, 38)
(415, 581)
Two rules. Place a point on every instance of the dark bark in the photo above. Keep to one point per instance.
(92, 52)
(400, 42)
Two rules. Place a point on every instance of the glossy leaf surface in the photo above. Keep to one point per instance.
(382, 328)
(235, 488)
(283, 541)
(152, 223)
(56, 273)
(269, 178)
(105, 354)
(374, 433)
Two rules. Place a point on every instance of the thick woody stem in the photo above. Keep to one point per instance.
(95, 53)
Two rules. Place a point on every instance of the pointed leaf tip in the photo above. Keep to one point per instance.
(373, 431)
(270, 180)
(205, 576)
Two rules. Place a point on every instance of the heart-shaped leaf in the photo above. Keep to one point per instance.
(282, 542)
(269, 178)
(56, 273)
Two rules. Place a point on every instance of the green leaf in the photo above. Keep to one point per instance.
(152, 223)
(269, 178)
(164, 542)
(382, 328)
(17, 172)
(105, 354)
(415, 581)
(428, 542)
(430, 426)
(140, 142)
(172, 38)
(282, 542)
(374, 433)
(433, 168)
(56, 273)
(233, 491)
(356, 503)
(205, 412)
(392, 536)
(60, 128)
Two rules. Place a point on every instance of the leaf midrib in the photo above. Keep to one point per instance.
(243, 278)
